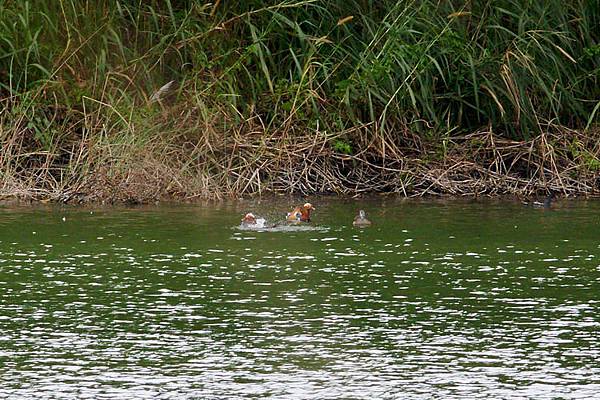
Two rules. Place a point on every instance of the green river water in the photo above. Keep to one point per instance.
(437, 300)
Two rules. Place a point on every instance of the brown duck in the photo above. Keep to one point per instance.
(361, 219)
(300, 213)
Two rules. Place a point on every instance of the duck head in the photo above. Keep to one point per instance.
(249, 219)
(361, 219)
(548, 200)
(301, 213)
(305, 212)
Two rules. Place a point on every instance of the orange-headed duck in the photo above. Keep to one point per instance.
(250, 221)
(300, 213)
(361, 219)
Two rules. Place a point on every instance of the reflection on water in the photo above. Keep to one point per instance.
(282, 227)
(452, 301)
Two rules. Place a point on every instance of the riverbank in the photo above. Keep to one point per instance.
(479, 164)
(185, 101)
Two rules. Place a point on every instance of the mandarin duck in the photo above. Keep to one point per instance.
(300, 213)
(250, 221)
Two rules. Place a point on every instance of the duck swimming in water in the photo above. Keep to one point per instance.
(361, 219)
(547, 203)
(250, 221)
(300, 213)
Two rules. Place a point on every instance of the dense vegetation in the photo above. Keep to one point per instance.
(413, 96)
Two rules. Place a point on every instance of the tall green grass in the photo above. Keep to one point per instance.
(73, 70)
(446, 65)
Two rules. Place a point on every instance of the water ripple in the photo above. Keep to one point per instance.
(169, 310)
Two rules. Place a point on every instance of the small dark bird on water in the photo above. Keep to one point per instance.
(547, 203)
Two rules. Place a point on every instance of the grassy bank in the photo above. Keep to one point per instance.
(414, 97)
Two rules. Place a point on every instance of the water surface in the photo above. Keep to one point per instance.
(448, 300)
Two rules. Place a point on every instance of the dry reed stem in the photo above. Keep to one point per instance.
(203, 163)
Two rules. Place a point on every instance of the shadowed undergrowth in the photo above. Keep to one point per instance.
(413, 97)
